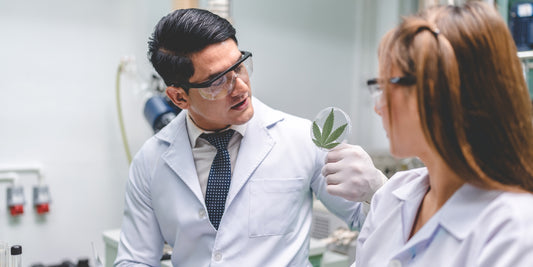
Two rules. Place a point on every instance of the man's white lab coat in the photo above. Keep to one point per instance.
(268, 209)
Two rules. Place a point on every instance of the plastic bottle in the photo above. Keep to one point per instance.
(16, 256)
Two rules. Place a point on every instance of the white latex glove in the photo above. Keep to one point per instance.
(350, 173)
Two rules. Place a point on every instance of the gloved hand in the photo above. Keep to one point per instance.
(350, 173)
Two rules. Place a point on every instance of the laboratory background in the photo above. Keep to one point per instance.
(75, 82)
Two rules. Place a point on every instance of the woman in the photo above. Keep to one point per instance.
(451, 92)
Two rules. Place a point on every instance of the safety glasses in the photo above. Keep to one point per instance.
(376, 90)
(223, 83)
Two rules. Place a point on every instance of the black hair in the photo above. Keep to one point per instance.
(180, 33)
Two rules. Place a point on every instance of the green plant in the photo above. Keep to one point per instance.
(327, 138)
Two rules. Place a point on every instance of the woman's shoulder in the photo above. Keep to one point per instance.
(516, 208)
(505, 232)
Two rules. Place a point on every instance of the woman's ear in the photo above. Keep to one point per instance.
(178, 96)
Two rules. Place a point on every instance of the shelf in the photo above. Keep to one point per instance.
(525, 54)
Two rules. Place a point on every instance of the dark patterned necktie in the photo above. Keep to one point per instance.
(219, 178)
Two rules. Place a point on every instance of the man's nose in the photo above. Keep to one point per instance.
(239, 85)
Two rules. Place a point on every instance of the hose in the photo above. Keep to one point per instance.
(120, 116)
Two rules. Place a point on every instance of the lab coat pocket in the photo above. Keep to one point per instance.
(274, 205)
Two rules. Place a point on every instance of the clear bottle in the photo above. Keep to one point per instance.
(4, 254)
(16, 256)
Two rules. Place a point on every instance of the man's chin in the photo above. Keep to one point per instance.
(246, 117)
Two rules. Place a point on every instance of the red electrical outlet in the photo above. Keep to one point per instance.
(42, 208)
(41, 199)
(16, 210)
(15, 200)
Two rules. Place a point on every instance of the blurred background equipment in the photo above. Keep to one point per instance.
(157, 108)
(4, 253)
(41, 198)
(159, 111)
(12, 174)
(15, 199)
(521, 24)
(16, 256)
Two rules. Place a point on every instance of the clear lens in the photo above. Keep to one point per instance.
(225, 84)
(245, 69)
(217, 89)
(376, 92)
(378, 99)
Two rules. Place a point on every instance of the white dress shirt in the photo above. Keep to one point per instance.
(475, 227)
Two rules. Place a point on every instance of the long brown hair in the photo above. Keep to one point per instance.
(473, 101)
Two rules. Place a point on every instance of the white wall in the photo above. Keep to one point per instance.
(313, 54)
(58, 61)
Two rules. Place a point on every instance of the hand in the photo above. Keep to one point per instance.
(350, 173)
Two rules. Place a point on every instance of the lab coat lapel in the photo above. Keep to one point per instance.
(255, 146)
(179, 155)
(410, 196)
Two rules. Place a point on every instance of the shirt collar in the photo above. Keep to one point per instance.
(195, 131)
(417, 185)
(459, 214)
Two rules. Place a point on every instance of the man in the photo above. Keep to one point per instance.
(229, 181)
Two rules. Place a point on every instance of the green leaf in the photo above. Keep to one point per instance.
(317, 143)
(328, 125)
(330, 145)
(316, 131)
(336, 133)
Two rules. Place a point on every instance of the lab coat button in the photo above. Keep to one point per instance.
(218, 256)
(395, 263)
(202, 214)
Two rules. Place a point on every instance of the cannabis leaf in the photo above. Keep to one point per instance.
(326, 138)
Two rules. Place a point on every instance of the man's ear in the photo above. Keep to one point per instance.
(178, 96)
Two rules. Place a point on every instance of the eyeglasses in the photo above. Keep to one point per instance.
(374, 85)
(223, 83)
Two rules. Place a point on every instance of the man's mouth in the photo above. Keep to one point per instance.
(240, 104)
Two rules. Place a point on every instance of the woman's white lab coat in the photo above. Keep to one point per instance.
(475, 227)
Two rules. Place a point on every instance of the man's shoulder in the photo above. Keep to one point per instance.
(171, 130)
(159, 142)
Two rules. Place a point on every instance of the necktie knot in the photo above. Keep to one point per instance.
(220, 140)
